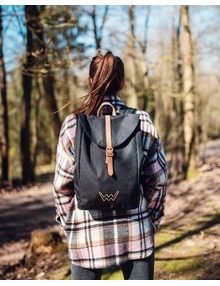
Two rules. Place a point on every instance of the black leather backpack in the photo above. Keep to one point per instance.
(108, 154)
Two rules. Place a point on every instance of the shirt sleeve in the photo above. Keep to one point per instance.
(63, 183)
(154, 171)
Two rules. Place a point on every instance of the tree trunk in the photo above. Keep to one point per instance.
(131, 67)
(49, 93)
(48, 76)
(27, 167)
(36, 121)
(144, 66)
(4, 137)
(98, 31)
(48, 80)
(188, 89)
(177, 141)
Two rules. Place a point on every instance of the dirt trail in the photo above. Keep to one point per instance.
(22, 212)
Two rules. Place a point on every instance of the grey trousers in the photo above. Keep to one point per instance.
(141, 269)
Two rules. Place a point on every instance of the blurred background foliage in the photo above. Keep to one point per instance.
(171, 56)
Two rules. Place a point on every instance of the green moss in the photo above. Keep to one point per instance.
(165, 236)
(114, 275)
(181, 265)
(192, 174)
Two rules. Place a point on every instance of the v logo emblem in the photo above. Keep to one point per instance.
(108, 197)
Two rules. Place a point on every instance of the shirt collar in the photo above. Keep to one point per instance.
(116, 100)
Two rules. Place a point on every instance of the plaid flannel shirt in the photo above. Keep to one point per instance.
(100, 239)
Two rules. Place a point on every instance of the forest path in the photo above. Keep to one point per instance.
(187, 247)
(22, 212)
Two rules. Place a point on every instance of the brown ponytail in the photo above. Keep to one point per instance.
(106, 75)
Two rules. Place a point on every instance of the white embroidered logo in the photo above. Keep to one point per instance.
(108, 197)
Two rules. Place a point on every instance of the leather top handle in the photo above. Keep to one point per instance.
(106, 103)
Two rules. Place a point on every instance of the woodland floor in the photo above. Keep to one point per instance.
(187, 246)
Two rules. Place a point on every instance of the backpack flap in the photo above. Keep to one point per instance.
(123, 126)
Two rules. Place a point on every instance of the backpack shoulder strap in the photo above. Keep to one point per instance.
(126, 109)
